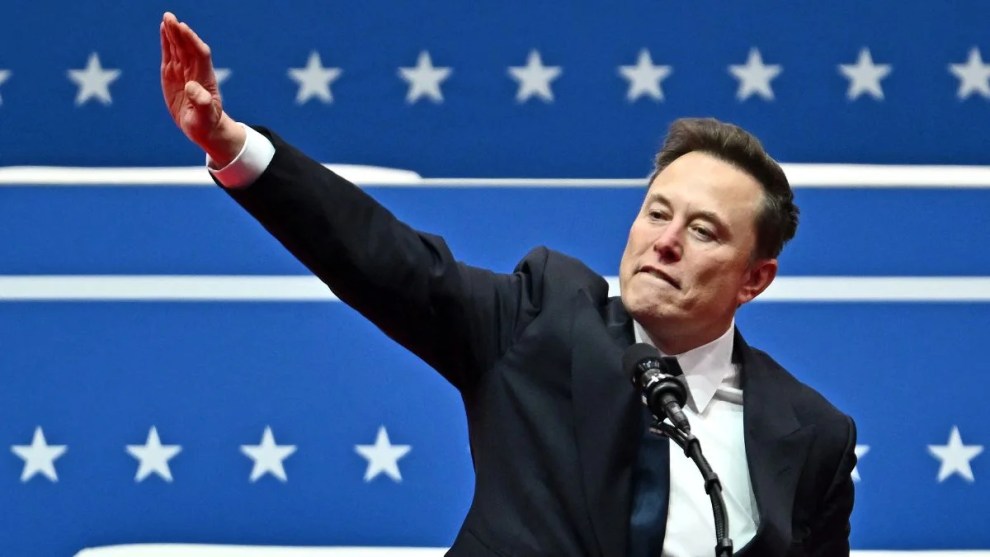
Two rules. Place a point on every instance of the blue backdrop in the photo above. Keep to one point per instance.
(480, 129)
(211, 376)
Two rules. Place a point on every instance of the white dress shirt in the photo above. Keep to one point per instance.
(715, 411)
(254, 158)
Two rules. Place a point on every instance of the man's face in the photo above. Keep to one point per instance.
(689, 262)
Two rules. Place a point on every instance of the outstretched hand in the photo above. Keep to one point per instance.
(192, 94)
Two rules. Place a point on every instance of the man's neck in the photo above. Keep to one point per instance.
(674, 344)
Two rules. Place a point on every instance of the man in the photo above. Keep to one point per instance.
(565, 462)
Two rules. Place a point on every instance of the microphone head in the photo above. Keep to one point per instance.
(639, 358)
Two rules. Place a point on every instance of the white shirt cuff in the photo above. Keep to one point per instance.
(248, 165)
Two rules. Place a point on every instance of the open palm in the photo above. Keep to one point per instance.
(188, 82)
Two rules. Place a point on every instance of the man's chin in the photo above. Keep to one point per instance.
(646, 310)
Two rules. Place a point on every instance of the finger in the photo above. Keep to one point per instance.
(173, 51)
(179, 50)
(166, 49)
(206, 106)
(183, 32)
(199, 96)
(170, 22)
(195, 46)
(201, 47)
(170, 33)
(178, 42)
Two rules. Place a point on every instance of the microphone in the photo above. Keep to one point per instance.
(655, 376)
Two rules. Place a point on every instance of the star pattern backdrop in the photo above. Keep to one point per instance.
(279, 423)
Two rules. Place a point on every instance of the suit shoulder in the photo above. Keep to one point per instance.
(553, 272)
(810, 404)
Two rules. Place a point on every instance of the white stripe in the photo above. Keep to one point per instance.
(172, 176)
(202, 550)
(309, 289)
(886, 176)
(164, 288)
(801, 175)
(534, 182)
(878, 289)
(870, 289)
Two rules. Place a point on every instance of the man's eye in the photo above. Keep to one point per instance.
(703, 233)
(658, 215)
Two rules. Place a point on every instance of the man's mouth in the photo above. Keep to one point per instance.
(660, 275)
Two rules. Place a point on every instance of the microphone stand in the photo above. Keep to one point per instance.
(692, 448)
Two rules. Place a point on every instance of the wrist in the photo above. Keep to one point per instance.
(225, 142)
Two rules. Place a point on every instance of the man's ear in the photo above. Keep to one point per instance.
(758, 277)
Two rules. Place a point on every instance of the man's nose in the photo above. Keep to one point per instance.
(668, 245)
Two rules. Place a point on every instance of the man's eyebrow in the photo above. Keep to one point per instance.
(711, 216)
(720, 225)
(657, 197)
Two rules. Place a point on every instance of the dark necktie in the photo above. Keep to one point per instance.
(651, 491)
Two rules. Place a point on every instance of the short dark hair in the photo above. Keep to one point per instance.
(777, 221)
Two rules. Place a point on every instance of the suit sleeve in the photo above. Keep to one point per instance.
(459, 319)
(829, 536)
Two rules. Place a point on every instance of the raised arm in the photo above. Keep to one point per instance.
(457, 318)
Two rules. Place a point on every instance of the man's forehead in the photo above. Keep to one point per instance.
(701, 163)
(698, 175)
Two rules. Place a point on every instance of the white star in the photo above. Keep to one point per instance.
(754, 77)
(534, 78)
(383, 456)
(4, 74)
(864, 76)
(974, 76)
(955, 457)
(314, 80)
(39, 456)
(268, 456)
(861, 450)
(644, 78)
(93, 81)
(221, 74)
(154, 457)
(424, 79)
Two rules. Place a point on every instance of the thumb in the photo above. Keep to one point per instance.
(202, 101)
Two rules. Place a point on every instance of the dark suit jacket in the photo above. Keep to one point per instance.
(553, 422)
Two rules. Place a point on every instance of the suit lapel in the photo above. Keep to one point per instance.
(776, 447)
(608, 423)
(608, 420)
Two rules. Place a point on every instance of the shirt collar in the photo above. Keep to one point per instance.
(705, 367)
